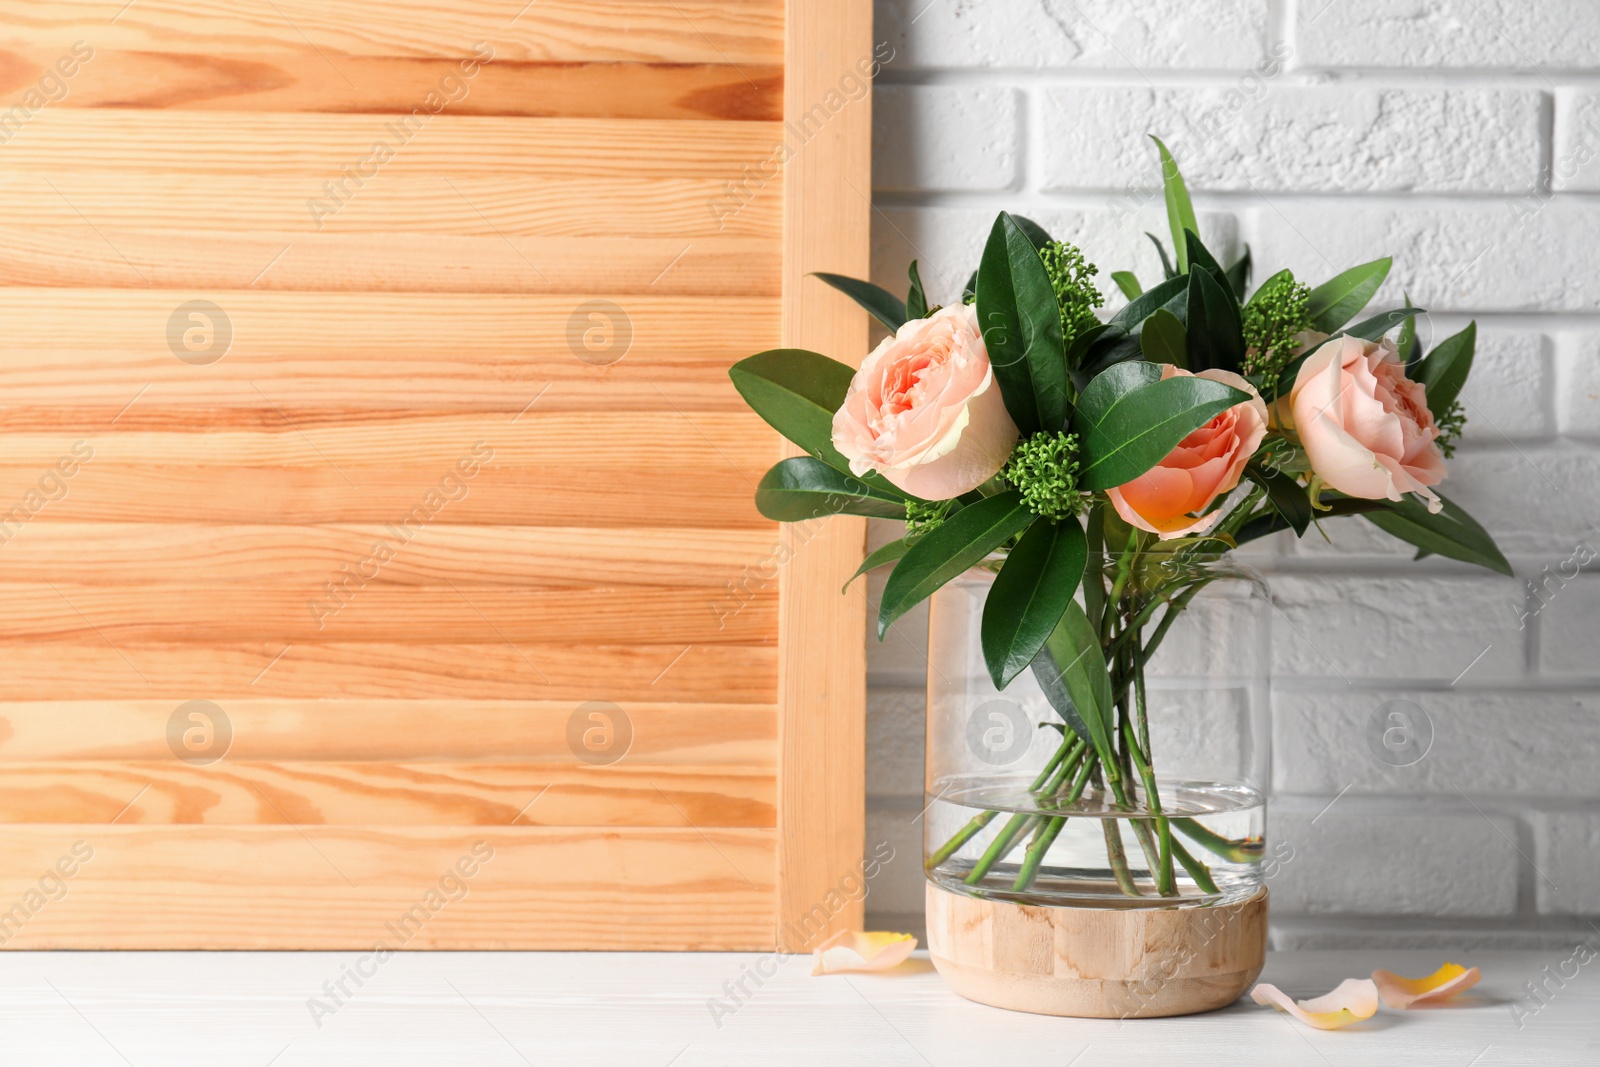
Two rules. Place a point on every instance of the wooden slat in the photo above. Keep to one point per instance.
(513, 209)
(443, 328)
(738, 564)
(643, 31)
(822, 669)
(307, 82)
(343, 607)
(239, 793)
(400, 730)
(315, 887)
(707, 262)
(739, 674)
(314, 148)
(657, 491)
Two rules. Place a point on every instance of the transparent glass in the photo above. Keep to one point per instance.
(1011, 816)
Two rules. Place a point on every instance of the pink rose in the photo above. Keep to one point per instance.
(925, 411)
(1169, 498)
(1365, 426)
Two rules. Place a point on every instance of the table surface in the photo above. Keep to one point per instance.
(660, 1009)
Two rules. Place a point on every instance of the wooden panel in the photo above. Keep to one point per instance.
(343, 887)
(409, 530)
(822, 669)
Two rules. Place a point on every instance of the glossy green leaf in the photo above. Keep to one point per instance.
(1273, 521)
(1287, 496)
(1180, 212)
(883, 555)
(1406, 345)
(797, 392)
(880, 303)
(1127, 283)
(1215, 338)
(1161, 250)
(1072, 674)
(916, 299)
(1028, 596)
(944, 552)
(1128, 420)
(1338, 300)
(969, 292)
(1021, 324)
(1444, 370)
(1146, 303)
(804, 488)
(1374, 328)
(1163, 340)
(1200, 258)
(1451, 533)
(1035, 233)
(1238, 275)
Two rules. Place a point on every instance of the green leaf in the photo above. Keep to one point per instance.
(1021, 323)
(1270, 523)
(1444, 371)
(1163, 339)
(886, 554)
(1072, 673)
(1127, 283)
(1036, 234)
(1200, 257)
(1215, 338)
(1144, 305)
(804, 488)
(970, 290)
(1406, 345)
(1238, 275)
(1161, 250)
(1374, 328)
(1128, 419)
(1337, 300)
(1451, 533)
(916, 299)
(960, 542)
(880, 303)
(797, 392)
(1288, 497)
(1029, 595)
(1180, 213)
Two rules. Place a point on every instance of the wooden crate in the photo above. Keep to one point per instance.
(377, 555)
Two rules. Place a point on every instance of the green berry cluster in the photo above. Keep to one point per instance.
(1044, 467)
(1450, 425)
(1071, 276)
(1270, 320)
(921, 518)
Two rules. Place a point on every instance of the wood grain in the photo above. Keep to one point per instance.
(316, 887)
(396, 730)
(502, 793)
(822, 636)
(637, 31)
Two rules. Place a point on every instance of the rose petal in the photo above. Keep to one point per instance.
(1352, 1000)
(856, 950)
(1447, 981)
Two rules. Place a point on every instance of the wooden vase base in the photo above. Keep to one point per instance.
(1096, 963)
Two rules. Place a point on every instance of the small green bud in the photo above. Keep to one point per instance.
(1044, 467)
(1071, 276)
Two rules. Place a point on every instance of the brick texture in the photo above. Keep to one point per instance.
(1462, 137)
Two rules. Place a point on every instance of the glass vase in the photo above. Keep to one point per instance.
(1018, 811)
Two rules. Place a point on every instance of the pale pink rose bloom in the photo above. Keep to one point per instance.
(1365, 426)
(925, 411)
(1168, 498)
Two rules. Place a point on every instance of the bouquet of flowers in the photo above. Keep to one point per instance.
(1088, 460)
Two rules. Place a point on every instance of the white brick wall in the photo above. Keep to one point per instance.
(1463, 138)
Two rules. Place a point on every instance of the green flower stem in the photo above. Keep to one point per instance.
(1046, 835)
(1019, 823)
(1124, 568)
(1228, 849)
(1118, 858)
(1000, 847)
(1196, 869)
(1166, 881)
(1069, 744)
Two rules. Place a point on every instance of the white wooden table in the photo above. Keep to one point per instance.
(652, 1010)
